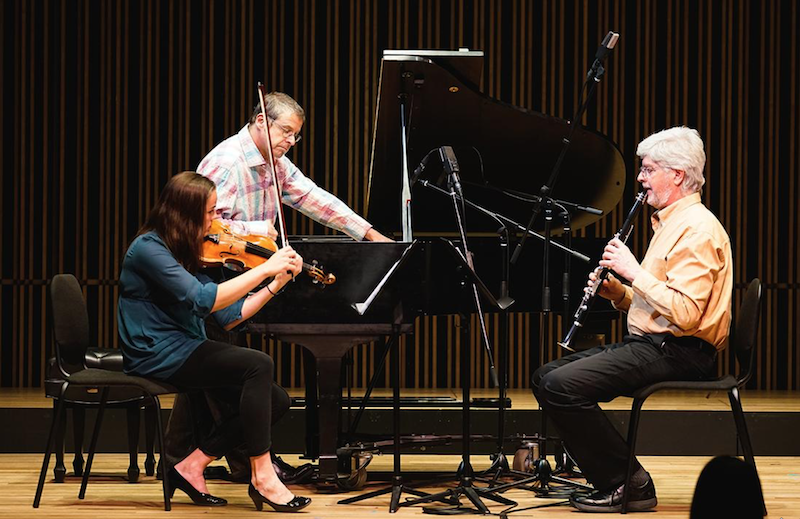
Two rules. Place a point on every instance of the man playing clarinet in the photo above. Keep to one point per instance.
(678, 301)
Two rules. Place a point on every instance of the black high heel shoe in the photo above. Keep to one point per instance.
(197, 497)
(295, 505)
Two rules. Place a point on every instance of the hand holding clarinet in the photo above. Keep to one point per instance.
(617, 257)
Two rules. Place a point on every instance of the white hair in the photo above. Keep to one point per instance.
(677, 148)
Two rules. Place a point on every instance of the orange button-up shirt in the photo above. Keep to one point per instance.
(687, 282)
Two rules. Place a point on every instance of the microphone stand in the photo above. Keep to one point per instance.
(592, 78)
(565, 465)
(500, 464)
(506, 221)
(499, 461)
(470, 283)
(542, 472)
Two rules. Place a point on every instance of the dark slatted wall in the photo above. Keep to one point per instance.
(103, 100)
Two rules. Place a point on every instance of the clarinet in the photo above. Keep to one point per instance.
(589, 295)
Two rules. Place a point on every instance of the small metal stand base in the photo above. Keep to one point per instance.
(532, 471)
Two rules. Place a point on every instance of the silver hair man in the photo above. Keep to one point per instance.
(678, 148)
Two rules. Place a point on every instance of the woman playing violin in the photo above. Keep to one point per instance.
(163, 302)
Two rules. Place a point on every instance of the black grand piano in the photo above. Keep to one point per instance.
(429, 99)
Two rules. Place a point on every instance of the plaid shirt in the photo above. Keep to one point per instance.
(245, 196)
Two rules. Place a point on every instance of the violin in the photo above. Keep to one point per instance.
(221, 246)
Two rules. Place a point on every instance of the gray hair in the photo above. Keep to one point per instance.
(277, 104)
(678, 148)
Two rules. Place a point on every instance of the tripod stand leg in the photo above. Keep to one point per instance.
(368, 495)
(559, 479)
(475, 499)
(394, 504)
(490, 495)
(449, 496)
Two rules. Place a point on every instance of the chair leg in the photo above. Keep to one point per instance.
(742, 433)
(48, 449)
(149, 434)
(60, 471)
(93, 444)
(134, 421)
(164, 459)
(741, 426)
(633, 429)
(78, 421)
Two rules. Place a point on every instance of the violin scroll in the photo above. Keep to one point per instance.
(319, 276)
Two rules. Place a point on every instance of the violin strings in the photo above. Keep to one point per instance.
(268, 253)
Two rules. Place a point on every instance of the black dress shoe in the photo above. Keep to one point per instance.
(291, 475)
(642, 497)
(197, 497)
(295, 505)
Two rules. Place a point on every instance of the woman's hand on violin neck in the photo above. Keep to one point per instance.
(283, 261)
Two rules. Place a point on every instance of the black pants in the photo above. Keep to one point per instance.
(243, 380)
(569, 389)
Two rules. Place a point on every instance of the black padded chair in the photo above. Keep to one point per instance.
(81, 398)
(70, 332)
(744, 340)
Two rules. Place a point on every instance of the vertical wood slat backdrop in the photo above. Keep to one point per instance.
(103, 101)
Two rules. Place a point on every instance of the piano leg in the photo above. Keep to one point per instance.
(328, 377)
(328, 351)
(312, 406)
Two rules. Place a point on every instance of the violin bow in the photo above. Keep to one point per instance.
(262, 94)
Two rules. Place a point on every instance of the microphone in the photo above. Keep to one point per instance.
(605, 48)
(422, 165)
(450, 165)
(607, 45)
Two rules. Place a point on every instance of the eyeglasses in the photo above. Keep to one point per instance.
(287, 132)
(647, 171)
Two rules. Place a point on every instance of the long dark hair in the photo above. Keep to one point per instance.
(179, 215)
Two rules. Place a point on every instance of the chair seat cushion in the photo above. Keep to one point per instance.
(725, 383)
(108, 359)
(114, 379)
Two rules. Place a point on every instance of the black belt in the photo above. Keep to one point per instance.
(693, 342)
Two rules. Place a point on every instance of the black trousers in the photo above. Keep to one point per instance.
(241, 380)
(569, 389)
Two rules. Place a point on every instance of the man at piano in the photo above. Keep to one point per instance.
(239, 166)
(678, 301)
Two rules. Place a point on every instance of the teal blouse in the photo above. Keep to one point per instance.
(162, 308)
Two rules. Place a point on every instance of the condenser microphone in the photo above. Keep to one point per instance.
(450, 166)
(605, 48)
(607, 45)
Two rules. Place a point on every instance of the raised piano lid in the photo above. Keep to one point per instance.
(518, 148)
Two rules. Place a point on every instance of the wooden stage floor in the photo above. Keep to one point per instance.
(110, 497)
(522, 399)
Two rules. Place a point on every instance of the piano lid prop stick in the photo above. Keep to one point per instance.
(405, 185)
